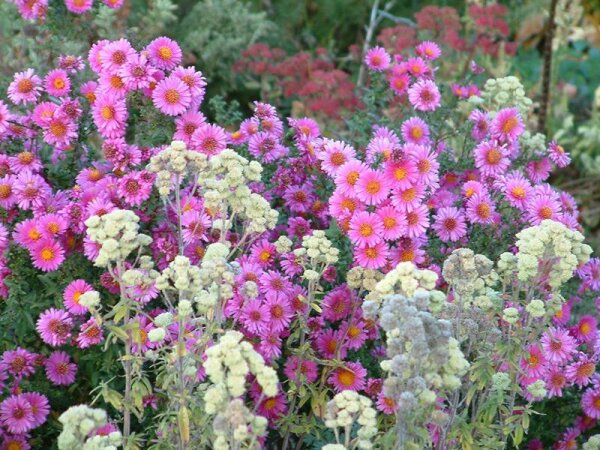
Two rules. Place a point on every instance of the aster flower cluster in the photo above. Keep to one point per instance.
(85, 428)
(36, 10)
(343, 411)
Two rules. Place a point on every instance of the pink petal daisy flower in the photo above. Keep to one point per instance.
(381, 147)
(490, 158)
(408, 198)
(298, 198)
(481, 209)
(481, 124)
(558, 155)
(590, 403)
(426, 162)
(52, 225)
(273, 286)
(40, 408)
(265, 146)
(164, 53)
(30, 190)
(5, 118)
(563, 316)
(110, 115)
(26, 160)
(386, 405)
(351, 377)
(415, 131)
(329, 344)
(28, 233)
(171, 96)
(263, 253)
(424, 95)
(195, 226)
(15, 442)
(556, 381)
(113, 4)
(209, 139)
(186, 125)
(133, 188)
(47, 255)
(114, 55)
(378, 59)
(517, 190)
(417, 221)
(581, 372)
(255, 316)
(538, 171)
(365, 229)
(79, 6)
(399, 83)
(54, 326)
(417, 67)
(429, 50)
(372, 187)
(111, 83)
(533, 363)
(558, 345)
(73, 293)
(450, 224)
(337, 304)
(394, 222)
(299, 370)
(372, 256)
(59, 369)
(590, 274)
(586, 329)
(193, 79)
(272, 408)
(94, 56)
(402, 173)
(16, 414)
(60, 131)
(341, 205)
(347, 175)
(57, 83)
(541, 207)
(25, 88)
(281, 313)
(306, 128)
(356, 334)
(334, 155)
(471, 188)
(507, 125)
(88, 90)
(19, 363)
(137, 73)
(90, 334)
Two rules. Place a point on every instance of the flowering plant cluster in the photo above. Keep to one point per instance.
(264, 285)
(36, 10)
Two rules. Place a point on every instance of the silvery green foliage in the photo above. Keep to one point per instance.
(216, 31)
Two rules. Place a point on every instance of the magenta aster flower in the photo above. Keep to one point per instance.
(16, 414)
(72, 294)
(60, 131)
(378, 59)
(386, 405)
(90, 334)
(193, 79)
(490, 158)
(7, 193)
(586, 329)
(47, 255)
(334, 155)
(394, 222)
(426, 163)
(450, 224)
(5, 118)
(408, 198)
(542, 206)
(415, 131)
(365, 229)
(209, 139)
(134, 189)
(556, 381)
(137, 73)
(298, 370)
(15, 442)
(337, 304)
(417, 221)
(481, 209)
(533, 362)
(79, 6)
(114, 55)
(281, 313)
(517, 190)
(507, 125)
(25, 88)
(39, 407)
(164, 53)
(590, 274)
(330, 344)
(402, 173)
(111, 83)
(30, 190)
(429, 50)
(265, 146)
(581, 372)
(19, 363)
(110, 115)
(417, 67)
(186, 125)
(590, 403)
(558, 345)
(372, 187)
(255, 316)
(356, 334)
(558, 155)
(57, 83)
(273, 286)
(195, 226)
(59, 369)
(372, 256)
(347, 175)
(539, 170)
(171, 96)
(424, 95)
(54, 326)
(351, 377)
(481, 124)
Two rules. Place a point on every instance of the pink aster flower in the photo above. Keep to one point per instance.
(381, 147)
(330, 344)
(164, 53)
(556, 381)
(558, 155)
(417, 221)
(586, 329)
(79, 6)
(57, 83)
(15, 442)
(299, 370)
(481, 124)
(265, 146)
(90, 334)
(114, 55)
(402, 173)
(52, 225)
(195, 226)
(186, 125)
(415, 131)
(337, 304)
(507, 125)
(481, 209)
(60, 131)
(5, 118)
(533, 362)
(450, 224)
(408, 198)
(590, 403)
(171, 96)
(25, 88)
(399, 83)
(581, 372)
(263, 253)
(539, 170)
(387, 405)
(209, 139)
(281, 313)
(134, 189)
(590, 274)
(110, 115)
(255, 316)
(394, 222)
(417, 67)
(273, 286)
(334, 155)
(26, 160)
(137, 73)
(429, 50)
(16, 414)
(365, 229)
(517, 190)
(542, 206)
(59, 369)
(356, 334)
(272, 407)
(490, 158)
(424, 95)
(88, 90)
(426, 163)
(30, 190)
(54, 326)
(378, 59)
(19, 363)
(193, 79)
(372, 187)
(558, 345)
(40, 408)
(372, 256)
(351, 377)
(71, 296)
(47, 255)
(347, 175)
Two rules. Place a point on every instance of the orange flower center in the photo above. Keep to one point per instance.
(545, 212)
(365, 230)
(493, 156)
(26, 157)
(373, 187)
(389, 222)
(25, 86)
(107, 112)
(47, 254)
(172, 96)
(510, 124)
(165, 52)
(346, 377)
(337, 158)
(58, 129)
(5, 191)
(483, 210)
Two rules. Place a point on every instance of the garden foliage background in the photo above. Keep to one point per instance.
(306, 59)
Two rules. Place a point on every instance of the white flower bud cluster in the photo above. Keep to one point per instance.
(505, 92)
(593, 443)
(317, 252)
(90, 299)
(550, 248)
(227, 364)
(236, 427)
(118, 233)
(78, 423)
(283, 244)
(537, 389)
(533, 144)
(471, 276)
(348, 407)
(360, 278)
(180, 275)
(175, 160)
(225, 187)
